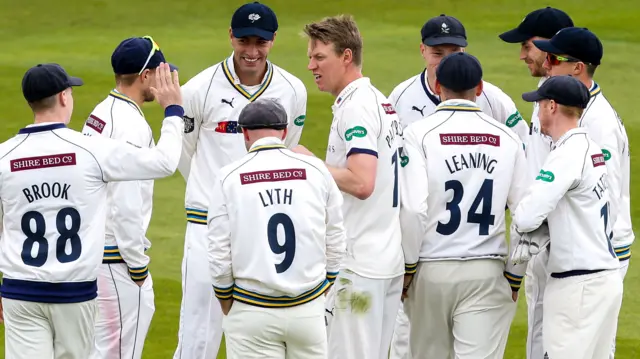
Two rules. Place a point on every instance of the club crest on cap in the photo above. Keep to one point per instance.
(254, 17)
(445, 28)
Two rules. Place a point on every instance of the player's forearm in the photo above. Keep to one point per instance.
(219, 255)
(351, 183)
(336, 242)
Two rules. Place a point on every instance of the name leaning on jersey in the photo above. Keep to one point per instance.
(472, 160)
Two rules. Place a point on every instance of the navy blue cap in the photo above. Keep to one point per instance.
(459, 71)
(543, 23)
(577, 42)
(444, 30)
(263, 113)
(254, 19)
(131, 55)
(45, 80)
(565, 90)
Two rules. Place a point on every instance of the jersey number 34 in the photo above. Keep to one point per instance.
(484, 219)
(37, 236)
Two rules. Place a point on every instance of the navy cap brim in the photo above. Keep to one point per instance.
(546, 46)
(446, 40)
(532, 96)
(252, 31)
(75, 81)
(514, 36)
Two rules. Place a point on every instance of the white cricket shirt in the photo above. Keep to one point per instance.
(213, 101)
(53, 196)
(276, 233)
(129, 204)
(365, 122)
(572, 192)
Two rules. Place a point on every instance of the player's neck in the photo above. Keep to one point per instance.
(48, 117)
(250, 78)
(563, 126)
(132, 93)
(586, 80)
(348, 78)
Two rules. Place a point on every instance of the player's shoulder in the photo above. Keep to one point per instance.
(495, 94)
(285, 76)
(202, 80)
(500, 129)
(10, 144)
(401, 88)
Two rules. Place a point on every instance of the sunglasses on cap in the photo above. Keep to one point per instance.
(154, 48)
(555, 60)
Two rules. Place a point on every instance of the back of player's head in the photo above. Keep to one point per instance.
(43, 82)
(443, 30)
(459, 72)
(565, 90)
(263, 113)
(543, 23)
(341, 31)
(134, 55)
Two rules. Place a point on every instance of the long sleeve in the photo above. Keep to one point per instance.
(296, 124)
(608, 142)
(335, 234)
(192, 125)
(120, 161)
(219, 238)
(414, 193)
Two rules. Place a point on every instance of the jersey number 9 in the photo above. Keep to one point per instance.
(289, 245)
(37, 236)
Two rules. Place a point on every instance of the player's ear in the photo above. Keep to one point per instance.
(579, 68)
(230, 34)
(438, 89)
(348, 56)
(245, 134)
(284, 134)
(62, 98)
(479, 88)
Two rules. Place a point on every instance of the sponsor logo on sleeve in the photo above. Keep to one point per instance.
(189, 124)
(357, 131)
(388, 109)
(469, 139)
(95, 123)
(299, 121)
(404, 157)
(598, 160)
(606, 154)
(546, 176)
(289, 174)
(32, 163)
(513, 119)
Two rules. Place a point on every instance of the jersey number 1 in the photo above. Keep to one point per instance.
(289, 245)
(484, 219)
(37, 236)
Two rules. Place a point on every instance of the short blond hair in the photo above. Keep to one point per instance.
(341, 31)
(571, 111)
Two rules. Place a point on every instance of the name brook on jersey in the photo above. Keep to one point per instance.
(44, 190)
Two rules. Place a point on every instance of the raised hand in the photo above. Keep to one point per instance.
(166, 87)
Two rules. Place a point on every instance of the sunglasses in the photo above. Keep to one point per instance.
(154, 48)
(555, 60)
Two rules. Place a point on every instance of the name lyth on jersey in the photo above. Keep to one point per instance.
(470, 160)
(45, 189)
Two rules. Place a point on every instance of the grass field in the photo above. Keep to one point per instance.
(81, 36)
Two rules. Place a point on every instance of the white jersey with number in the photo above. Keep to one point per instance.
(129, 204)
(213, 101)
(605, 128)
(414, 100)
(276, 231)
(364, 122)
(571, 192)
(53, 183)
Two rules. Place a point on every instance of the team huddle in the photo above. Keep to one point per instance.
(393, 245)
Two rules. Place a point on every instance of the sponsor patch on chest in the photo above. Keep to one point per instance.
(32, 163)
(289, 174)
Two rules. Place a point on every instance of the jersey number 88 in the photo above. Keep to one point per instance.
(37, 236)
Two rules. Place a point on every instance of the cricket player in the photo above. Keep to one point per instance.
(416, 98)
(125, 288)
(213, 101)
(572, 192)
(362, 156)
(274, 272)
(540, 24)
(54, 208)
(578, 52)
(463, 168)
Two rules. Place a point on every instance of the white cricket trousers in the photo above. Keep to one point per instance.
(580, 315)
(400, 339)
(124, 313)
(298, 332)
(535, 282)
(364, 310)
(460, 309)
(48, 331)
(200, 330)
(624, 266)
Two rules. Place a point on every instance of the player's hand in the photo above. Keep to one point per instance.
(302, 150)
(166, 88)
(139, 282)
(226, 305)
(530, 244)
(514, 296)
(408, 278)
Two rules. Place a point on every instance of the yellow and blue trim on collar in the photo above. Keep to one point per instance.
(228, 73)
(447, 107)
(126, 98)
(266, 147)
